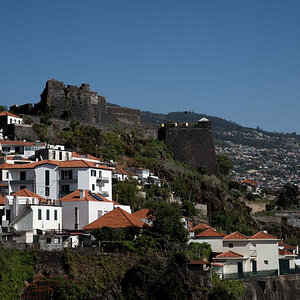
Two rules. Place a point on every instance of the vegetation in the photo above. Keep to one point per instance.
(16, 268)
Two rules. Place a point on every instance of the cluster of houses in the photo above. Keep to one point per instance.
(53, 198)
(236, 255)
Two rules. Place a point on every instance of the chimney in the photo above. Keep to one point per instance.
(81, 194)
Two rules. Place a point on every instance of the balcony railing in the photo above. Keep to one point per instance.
(250, 274)
(102, 180)
(26, 181)
(104, 194)
(68, 181)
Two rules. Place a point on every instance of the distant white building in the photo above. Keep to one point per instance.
(83, 207)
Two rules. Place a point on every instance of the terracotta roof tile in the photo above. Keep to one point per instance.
(1, 200)
(75, 196)
(141, 214)
(118, 218)
(27, 193)
(20, 143)
(283, 252)
(262, 235)
(235, 236)
(7, 113)
(82, 164)
(209, 232)
(200, 226)
(229, 254)
(250, 182)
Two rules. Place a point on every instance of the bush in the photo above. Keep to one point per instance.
(55, 287)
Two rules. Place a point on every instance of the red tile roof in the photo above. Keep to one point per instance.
(1, 200)
(209, 232)
(27, 193)
(118, 218)
(84, 156)
(284, 253)
(60, 164)
(141, 214)
(20, 143)
(250, 182)
(7, 113)
(235, 236)
(229, 254)
(200, 226)
(75, 196)
(262, 236)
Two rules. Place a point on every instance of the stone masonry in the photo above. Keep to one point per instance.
(191, 144)
(78, 103)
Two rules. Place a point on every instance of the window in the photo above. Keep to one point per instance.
(48, 241)
(253, 244)
(23, 175)
(53, 155)
(47, 214)
(47, 191)
(100, 213)
(100, 174)
(76, 218)
(93, 173)
(39, 214)
(55, 214)
(266, 262)
(93, 187)
(6, 149)
(7, 175)
(47, 177)
(56, 240)
(66, 174)
(60, 155)
(230, 245)
(65, 188)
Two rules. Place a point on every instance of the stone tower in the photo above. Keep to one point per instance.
(191, 144)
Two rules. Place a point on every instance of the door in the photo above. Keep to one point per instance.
(284, 266)
(254, 266)
(240, 268)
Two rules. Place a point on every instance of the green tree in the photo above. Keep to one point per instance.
(225, 165)
(168, 228)
(288, 196)
(127, 193)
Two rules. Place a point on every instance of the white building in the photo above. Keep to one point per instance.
(54, 179)
(83, 207)
(22, 148)
(7, 118)
(244, 255)
(122, 175)
(26, 211)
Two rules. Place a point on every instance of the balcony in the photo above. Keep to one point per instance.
(68, 181)
(22, 182)
(103, 180)
(250, 274)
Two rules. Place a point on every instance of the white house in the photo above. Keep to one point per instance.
(122, 175)
(27, 211)
(142, 174)
(54, 179)
(22, 148)
(7, 118)
(83, 207)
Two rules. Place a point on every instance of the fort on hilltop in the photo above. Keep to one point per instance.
(191, 144)
(78, 103)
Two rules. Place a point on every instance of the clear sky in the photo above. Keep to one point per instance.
(239, 60)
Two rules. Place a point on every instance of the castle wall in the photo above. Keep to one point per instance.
(192, 145)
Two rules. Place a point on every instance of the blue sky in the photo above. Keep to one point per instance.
(239, 60)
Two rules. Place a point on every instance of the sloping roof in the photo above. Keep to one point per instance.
(262, 235)
(285, 253)
(20, 143)
(7, 113)
(81, 164)
(117, 218)
(209, 232)
(229, 254)
(84, 156)
(250, 182)
(120, 171)
(75, 196)
(235, 236)
(141, 214)
(1, 200)
(200, 226)
(27, 193)
(60, 164)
